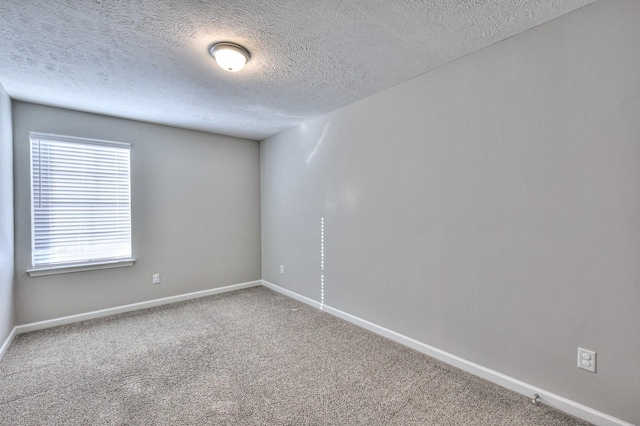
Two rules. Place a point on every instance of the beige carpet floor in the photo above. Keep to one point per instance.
(250, 357)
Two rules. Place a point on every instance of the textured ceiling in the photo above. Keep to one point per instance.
(148, 59)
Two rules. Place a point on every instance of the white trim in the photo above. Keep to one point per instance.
(128, 308)
(90, 266)
(568, 406)
(7, 342)
(293, 295)
(50, 137)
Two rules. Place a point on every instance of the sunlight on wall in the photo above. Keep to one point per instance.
(321, 262)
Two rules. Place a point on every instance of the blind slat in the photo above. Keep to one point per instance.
(81, 202)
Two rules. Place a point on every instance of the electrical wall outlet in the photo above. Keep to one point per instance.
(282, 269)
(587, 359)
(155, 278)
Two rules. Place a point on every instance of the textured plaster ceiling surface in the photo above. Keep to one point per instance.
(148, 59)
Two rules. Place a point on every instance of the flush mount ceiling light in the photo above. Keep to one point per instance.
(230, 56)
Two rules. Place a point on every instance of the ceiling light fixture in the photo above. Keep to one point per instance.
(230, 56)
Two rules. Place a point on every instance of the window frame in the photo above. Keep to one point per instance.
(89, 264)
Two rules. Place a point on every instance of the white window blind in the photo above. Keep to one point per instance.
(81, 201)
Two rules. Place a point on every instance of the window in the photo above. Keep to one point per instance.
(80, 204)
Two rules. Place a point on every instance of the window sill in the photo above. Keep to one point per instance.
(67, 269)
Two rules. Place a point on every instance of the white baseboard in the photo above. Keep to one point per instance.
(293, 295)
(551, 399)
(128, 308)
(563, 404)
(7, 342)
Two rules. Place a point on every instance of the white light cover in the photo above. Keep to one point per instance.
(230, 58)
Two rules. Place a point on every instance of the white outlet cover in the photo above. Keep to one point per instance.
(587, 359)
(156, 278)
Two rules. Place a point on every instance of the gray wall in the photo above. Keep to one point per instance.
(490, 208)
(195, 214)
(6, 218)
